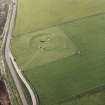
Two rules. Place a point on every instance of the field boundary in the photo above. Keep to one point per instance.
(71, 21)
(85, 93)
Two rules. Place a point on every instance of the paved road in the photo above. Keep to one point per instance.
(5, 46)
(7, 55)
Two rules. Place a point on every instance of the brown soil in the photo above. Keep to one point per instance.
(4, 98)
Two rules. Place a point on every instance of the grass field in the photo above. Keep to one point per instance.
(97, 98)
(66, 57)
(38, 14)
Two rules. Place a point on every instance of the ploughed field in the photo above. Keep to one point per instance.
(60, 47)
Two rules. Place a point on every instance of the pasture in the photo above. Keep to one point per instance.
(61, 55)
(33, 15)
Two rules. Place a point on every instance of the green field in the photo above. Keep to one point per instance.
(97, 98)
(66, 57)
(38, 14)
